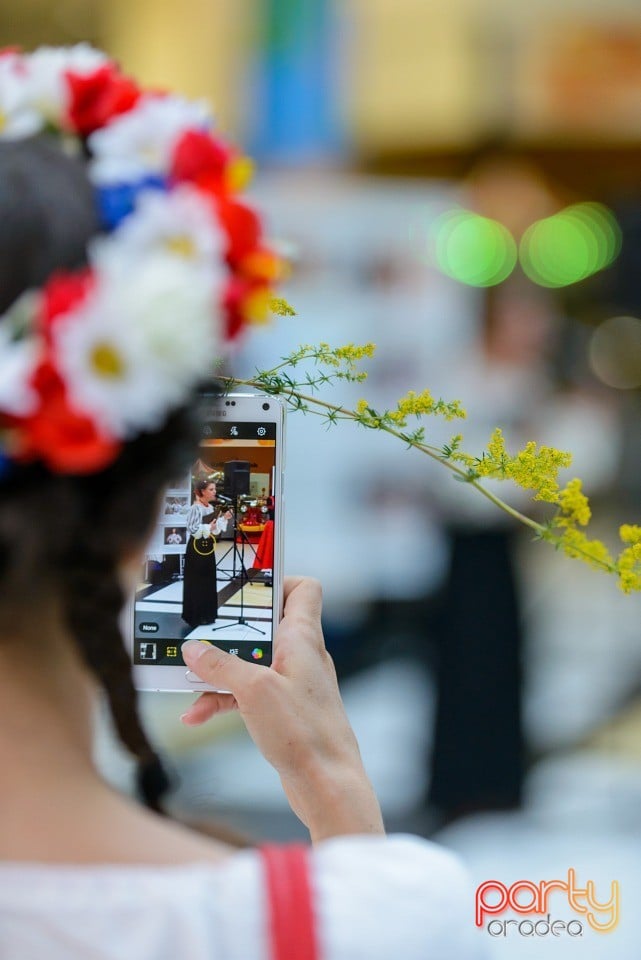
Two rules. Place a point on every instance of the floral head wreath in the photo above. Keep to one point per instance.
(100, 355)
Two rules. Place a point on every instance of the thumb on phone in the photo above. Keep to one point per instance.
(223, 670)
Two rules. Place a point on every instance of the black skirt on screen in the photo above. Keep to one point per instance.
(200, 588)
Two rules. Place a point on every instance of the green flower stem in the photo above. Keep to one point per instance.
(432, 452)
(343, 413)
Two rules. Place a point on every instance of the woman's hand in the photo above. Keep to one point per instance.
(295, 715)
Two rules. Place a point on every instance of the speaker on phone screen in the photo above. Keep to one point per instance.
(236, 478)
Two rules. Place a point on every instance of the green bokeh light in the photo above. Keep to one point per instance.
(605, 224)
(571, 245)
(474, 250)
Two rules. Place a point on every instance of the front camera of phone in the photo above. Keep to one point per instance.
(265, 406)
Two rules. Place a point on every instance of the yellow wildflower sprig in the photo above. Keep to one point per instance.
(537, 469)
(281, 308)
(531, 468)
(419, 404)
(411, 405)
(534, 468)
(575, 506)
(328, 364)
(629, 560)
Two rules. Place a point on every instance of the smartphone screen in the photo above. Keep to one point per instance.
(208, 572)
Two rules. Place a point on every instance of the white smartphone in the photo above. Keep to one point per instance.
(213, 569)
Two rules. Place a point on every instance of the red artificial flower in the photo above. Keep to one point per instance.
(99, 96)
(233, 306)
(63, 292)
(201, 159)
(243, 229)
(245, 301)
(65, 440)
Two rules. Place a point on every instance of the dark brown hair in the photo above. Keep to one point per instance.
(202, 484)
(47, 216)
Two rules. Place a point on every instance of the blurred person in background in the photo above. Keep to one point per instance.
(508, 377)
(478, 756)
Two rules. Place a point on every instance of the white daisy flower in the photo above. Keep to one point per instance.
(101, 364)
(141, 142)
(18, 117)
(172, 307)
(180, 223)
(133, 351)
(48, 87)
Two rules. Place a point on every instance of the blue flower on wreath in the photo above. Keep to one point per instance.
(117, 201)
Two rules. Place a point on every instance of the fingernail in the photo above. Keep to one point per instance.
(193, 649)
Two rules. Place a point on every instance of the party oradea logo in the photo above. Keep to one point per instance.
(536, 904)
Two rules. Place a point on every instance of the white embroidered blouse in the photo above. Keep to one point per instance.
(195, 520)
(376, 898)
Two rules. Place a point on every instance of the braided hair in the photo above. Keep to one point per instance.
(47, 217)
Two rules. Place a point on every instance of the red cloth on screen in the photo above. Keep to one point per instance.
(265, 550)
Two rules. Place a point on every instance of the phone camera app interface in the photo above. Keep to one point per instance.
(208, 569)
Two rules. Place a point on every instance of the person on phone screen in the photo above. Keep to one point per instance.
(200, 587)
(98, 387)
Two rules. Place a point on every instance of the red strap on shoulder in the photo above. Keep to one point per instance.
(291, 910)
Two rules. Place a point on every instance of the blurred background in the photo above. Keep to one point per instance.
(459, 182)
